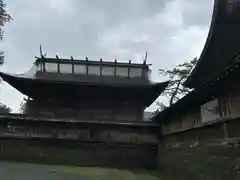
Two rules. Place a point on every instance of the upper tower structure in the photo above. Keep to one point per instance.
(86, 89)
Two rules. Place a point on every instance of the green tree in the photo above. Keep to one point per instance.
(177, 76)
(4, 108)
(4, 18)
(22, 108)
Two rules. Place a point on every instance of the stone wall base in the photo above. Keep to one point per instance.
(78, 153)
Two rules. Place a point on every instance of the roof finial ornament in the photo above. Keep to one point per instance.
(101, 60)
(130, 61)
(115, 60)
(27, 99)
(145, 58)
(57, 57)
(86, 59)
(72, 58)
(41, 52)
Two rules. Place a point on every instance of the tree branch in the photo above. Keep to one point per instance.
(177, 75)
(176, 90)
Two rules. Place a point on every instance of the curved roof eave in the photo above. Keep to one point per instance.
(27, 85)
(189, 81)
(222, 44)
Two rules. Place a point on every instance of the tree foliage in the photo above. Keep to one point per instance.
(4, 18)
(22, 107)
(4, 108)
(177, 76)
(1, 58)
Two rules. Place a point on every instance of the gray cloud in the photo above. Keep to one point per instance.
(171, 31)
(197, 13)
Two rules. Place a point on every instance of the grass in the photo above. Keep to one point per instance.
(110, 173)
(27, 171)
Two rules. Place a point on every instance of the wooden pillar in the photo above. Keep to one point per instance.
(115, 70)
(133, 112)
(41, 66)
(58, 67)
(25, 131)
(197, 139)
(72, 65)
(44, 66)
(73, 68)
(229, 105)
(225, 132)
(87, 69)
(129, 69)
(101, 67)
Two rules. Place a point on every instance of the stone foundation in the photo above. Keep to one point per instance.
(201, 163)
(78, 153)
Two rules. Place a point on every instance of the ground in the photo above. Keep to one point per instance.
(25, 171)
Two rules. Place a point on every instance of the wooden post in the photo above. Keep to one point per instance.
(25, 132)
(197, 139)
(86, 66)
(101, 67)
(72, 65)
(225, 132)
(129, 69)
(58, 65)
(44, 66)
(115, 67)
(143, 73)
(41, 66)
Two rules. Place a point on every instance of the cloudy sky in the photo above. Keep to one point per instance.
(172, 31)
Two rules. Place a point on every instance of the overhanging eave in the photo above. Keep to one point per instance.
(222, 44)
(36, 89)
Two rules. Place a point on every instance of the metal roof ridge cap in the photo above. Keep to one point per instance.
(90, 61)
